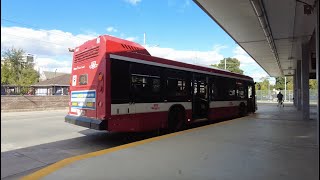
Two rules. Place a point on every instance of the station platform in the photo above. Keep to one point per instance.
(272, 144)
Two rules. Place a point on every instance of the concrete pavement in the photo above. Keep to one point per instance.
(271, 144)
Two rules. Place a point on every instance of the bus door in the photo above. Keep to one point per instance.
(200, 102)
(212, 89)
(251, 98)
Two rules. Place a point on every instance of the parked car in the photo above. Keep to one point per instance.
(58, 92)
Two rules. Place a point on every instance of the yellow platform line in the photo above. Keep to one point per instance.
(62, 163)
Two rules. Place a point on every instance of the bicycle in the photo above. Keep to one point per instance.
(280, 104)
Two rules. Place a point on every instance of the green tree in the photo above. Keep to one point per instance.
(232, 64)
(281, 80)
(280, 83)
(6, 72)
(257, 86)
(264, 84)
(290, 83)
(16, 71)
(28, 77)
(313, 84)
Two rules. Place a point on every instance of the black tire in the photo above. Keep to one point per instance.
(176, 119)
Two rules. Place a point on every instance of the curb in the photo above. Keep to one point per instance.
(36, 109)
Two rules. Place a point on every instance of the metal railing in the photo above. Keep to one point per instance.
(28, 90)
(271, 96)
(16, 90)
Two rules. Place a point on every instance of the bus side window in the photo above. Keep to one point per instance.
(138, 83)
(155, 85)
(177, 87)
(231, 89)
(250, 91)
(240, 90)
(120, 82)
(145, 83)
(213, 92)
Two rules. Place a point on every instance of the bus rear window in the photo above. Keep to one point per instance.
(83, 79)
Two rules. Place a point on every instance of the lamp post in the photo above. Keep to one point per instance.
(54, 87)
(285, 88)
(268, 89)
(268, 78)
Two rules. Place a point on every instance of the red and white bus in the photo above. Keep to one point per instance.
(116, 85)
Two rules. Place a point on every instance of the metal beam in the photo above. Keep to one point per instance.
(264, 23)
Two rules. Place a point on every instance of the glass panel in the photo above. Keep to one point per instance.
(83, 79)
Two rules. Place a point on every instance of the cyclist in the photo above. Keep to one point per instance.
(280, 98)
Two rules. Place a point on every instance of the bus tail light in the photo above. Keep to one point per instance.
(100, 77)
(83, 112)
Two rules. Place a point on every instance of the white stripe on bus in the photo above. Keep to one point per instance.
(117, 109)
(120, 109)
(171, 66)
(219, 104)
(83, 100)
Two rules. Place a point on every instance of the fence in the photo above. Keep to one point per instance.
(38, 91)
(16, 90)
(271, 96)
(261, 95)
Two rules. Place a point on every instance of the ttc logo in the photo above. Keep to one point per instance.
(155, 107)
(93, 65)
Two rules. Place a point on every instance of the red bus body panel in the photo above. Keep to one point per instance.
(93, 58)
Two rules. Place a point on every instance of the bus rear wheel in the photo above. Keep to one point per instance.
(176, 119)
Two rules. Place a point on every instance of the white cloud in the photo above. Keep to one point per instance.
(50, 64)
(133, 2)
(243, 57)
(132, 39)
(111, 29)
(238, 50)
(205, 58)
(41, 42)
(51, 50)
(49, 46)
(219, 47)
(178, 5)
(249, 65)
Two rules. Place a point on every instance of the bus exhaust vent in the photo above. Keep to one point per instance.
(129, 47)
(87, 54)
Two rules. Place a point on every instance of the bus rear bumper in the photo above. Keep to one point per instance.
(86, 122)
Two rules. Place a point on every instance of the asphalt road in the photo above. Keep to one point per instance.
(35, 139)
(25, 129)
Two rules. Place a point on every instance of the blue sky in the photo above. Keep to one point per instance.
(175, 29)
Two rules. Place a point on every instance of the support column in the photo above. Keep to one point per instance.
(317, 68)
(294, 77)
(298, 80)
(305, 82)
